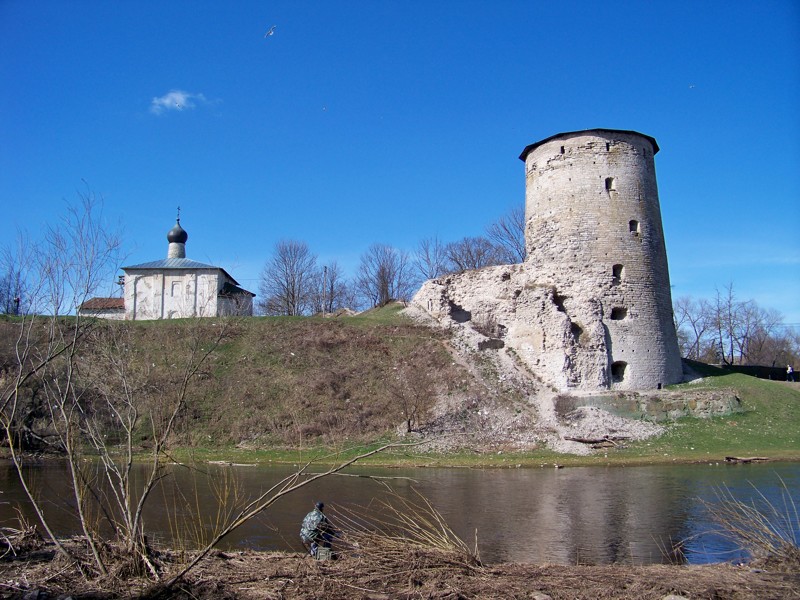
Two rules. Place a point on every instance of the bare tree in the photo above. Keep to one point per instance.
(123, 395)
(430, 259)
(80, 375)
(472, 253)
(383, 275)
(331, 290)
(771, 342)
(11, 285)
(76, 257)
(413, 391)
(508, 235)
(693, 322)
(733, 331)
(286, 286)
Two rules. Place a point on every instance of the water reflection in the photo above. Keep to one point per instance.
(565, 516)
(562, 516)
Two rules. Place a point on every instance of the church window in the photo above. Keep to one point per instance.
(633, 226)
(611, 184)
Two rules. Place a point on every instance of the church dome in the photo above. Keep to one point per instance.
(177, 235)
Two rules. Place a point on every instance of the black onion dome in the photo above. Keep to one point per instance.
(177, 235)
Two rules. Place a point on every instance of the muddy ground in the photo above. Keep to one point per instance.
(415, 574)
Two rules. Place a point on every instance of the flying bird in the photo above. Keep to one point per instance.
(270, 31)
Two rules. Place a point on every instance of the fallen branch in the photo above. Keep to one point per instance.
(612, 439)
(745, 459)
(604, 444)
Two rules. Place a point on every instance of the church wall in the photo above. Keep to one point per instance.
(240, 305)
(171, 294)
(110, 314)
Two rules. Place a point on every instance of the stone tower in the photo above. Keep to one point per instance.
(594, 237)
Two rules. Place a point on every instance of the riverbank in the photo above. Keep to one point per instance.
(768, 426)
(400, 458)
(290, 390)
(417, 573)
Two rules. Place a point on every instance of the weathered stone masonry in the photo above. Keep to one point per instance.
(590, 308)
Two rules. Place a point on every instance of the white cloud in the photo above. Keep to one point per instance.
(178, 100)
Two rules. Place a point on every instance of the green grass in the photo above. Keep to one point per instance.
(769, 425)
(391, 314)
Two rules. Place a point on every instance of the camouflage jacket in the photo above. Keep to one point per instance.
(314, 524)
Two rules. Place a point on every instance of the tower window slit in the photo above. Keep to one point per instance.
(616, 273)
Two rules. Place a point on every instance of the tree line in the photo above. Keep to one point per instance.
(293, 282)
(727, 330)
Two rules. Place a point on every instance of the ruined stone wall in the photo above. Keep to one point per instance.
(591, 306)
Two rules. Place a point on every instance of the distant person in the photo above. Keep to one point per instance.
(789, 373)
(316, 530)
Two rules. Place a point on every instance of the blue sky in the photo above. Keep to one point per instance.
(362, 122)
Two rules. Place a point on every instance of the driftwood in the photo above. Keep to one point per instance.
(745, 459)
(604, 442)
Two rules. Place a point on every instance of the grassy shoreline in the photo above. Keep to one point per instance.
(768, 426)
(504, 460)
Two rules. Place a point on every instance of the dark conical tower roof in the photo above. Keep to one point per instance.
(177, 235)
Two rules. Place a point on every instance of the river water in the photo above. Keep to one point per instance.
(589, 515)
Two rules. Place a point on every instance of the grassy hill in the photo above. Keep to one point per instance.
(279, 387)
(769, 425)
(298, 381)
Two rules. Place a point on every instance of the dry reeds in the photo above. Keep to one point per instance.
(15, 540)
(192, 523)
(396, 538)
(768, 531)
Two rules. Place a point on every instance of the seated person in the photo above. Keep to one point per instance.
(316, 530)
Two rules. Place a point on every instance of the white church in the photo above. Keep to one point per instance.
(174, 288)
